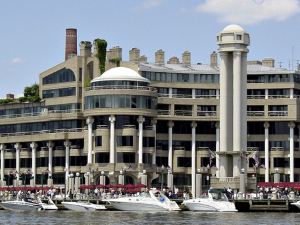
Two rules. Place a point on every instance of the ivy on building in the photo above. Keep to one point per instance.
(101, 45)
(116, 61)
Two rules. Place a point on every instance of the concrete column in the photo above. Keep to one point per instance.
(170, 93)
(238, 111)
(193, 93)
(276, 176)
(67, 162)
(198, 185)
(50, 146)
(33, 146)
(89, 122)
(226, 108)
(292, 151)
(267, 167)
(154, 122)
(242, 182)
(170, 152)
(77, 183)
(218, 94)
(18, 149)
(102, 178)
(194, 158)
(170, 180)
(112, 120)
(266, 93)
(121, 178)
(144, 178)
(2, 149)
(218, 148)
(141, 120)
(291, 93)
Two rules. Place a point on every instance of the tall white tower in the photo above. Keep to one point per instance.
(233, 42)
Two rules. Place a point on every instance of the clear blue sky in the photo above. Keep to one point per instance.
(32, 34)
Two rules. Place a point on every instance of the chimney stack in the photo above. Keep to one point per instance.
(143, 59)
(173, 60)
(134, 55)
(114, 53)
(71, 43)
(10, 96)
(269, 62)
(186, 58)
(160, 57)
(85, 48)
(214, 59)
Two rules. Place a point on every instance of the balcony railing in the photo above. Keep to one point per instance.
(181, 96)
(206, 113)
(47, 112)
(145, 88)
(277, 149)
(278, 113)
(42, 132)
(255, 113)
(252, 149)
(255, 96)
(206, 96)
(183, 112)
(164, 112)
(278, 96)
(165, 95)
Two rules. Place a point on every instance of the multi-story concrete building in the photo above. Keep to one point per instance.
(153, 122)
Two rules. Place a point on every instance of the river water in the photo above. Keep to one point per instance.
(145, 218)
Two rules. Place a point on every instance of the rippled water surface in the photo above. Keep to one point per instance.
(115, 217)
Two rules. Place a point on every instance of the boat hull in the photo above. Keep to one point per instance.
(128, 206)
(209, 205)
(20, 206)
(82, 207)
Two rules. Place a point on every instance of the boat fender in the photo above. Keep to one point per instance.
(161, 199)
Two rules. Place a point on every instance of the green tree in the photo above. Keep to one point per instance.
(31, 94)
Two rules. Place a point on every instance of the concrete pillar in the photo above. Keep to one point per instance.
(267, 167)
(89, 122)
(170, 93)
(33, 146)
(291, 93)
(193, 93)
(102, 178)
(50, 146)
(276, 176)
(198, 185)
(292, 151)
(266, 93)
(77, 183)
(218, 148)
(112, 120)
(67, 162)
(170, 180)
(243, 182)
(121, 178)
(194, 158)
(154, 122)
(141, 120)
(226, 108)
(18, 149)
(144, 178)
(170, 145)
(2, 149)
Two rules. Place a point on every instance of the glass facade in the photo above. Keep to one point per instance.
(62, 92)
(120, 101)
(60, 76)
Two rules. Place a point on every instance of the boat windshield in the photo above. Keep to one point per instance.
(217, 194)
(145, 194)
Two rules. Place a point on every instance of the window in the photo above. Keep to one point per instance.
(42, 162)
(281, 162)
(148, 142)
(59, 161)
(162, 161)
(78, 160)
(184, 162)
(62, 92)
(125, 157)
(124, 140)
(147, 158)
(102, 157)
(238, 37)
(60, 76)
(98, 141)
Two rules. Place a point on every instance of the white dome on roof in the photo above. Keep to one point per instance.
(233, 28)
(120, 73)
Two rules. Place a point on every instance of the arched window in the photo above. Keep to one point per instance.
(60, 76)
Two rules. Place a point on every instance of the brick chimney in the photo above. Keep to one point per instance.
(71, 43)
(214, 59)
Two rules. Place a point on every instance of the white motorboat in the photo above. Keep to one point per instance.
(21, 205)
(48, 206)
(82, 206)
(216, 201)
(153, 200)
(297, 204)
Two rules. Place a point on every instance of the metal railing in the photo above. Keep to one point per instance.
(278, 113)
(183, 112)
(255, 96)
(278, 96)
(206, 96)
(132, 87)
(181, 96)
(42, 113)
(42, 132)
(277, 149)
(206, 113)
(165, 95)
(255, 113)
(163, 112)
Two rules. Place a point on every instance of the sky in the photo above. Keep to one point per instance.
(32, 36)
